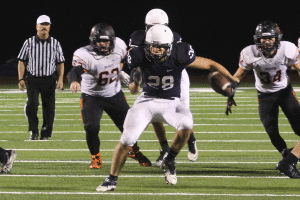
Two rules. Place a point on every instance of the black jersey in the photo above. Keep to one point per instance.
(162, 80)
(137, 38)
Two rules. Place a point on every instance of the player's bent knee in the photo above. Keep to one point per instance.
(128, 139)
(92, 129)
(186, 123)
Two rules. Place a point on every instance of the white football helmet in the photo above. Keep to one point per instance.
(159, 36)
(156, 16)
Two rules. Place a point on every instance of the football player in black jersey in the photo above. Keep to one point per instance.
(161, 62)
(137, 38)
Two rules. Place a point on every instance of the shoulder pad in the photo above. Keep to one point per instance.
(250, 54)
(134, 57)
(184, 52)
(81, 57)
(177, 37)
(137, 38)
(120, 47)
(291, 51)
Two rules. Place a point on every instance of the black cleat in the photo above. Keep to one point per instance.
(289, 170)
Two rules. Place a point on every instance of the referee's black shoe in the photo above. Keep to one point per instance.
(34, 135)
(289, 169)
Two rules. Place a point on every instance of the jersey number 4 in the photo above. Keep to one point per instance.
(266, 78)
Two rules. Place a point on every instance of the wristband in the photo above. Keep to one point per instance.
(21, 80)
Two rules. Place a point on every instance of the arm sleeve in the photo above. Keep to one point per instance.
(74, 74)
(23, 55)
(60, 56)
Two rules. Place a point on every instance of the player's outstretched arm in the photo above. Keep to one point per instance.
(208, 64)
(73, 77)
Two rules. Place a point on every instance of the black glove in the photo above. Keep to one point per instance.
(136, 76)
(230, 101)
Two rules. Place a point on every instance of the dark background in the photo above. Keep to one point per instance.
(216, 30)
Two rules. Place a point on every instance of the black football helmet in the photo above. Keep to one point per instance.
(102, 33)
(267, 29)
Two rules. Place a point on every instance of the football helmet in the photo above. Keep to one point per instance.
(267, 29)
(156, 16)
(102, 33)
(158, 36)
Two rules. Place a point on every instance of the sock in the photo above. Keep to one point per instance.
(291, 158)
(113, 178)
(192, 139)
(171, 155)
(164, 146)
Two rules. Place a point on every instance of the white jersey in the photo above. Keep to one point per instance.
(101, 72)
(270, 73)
(299, 43)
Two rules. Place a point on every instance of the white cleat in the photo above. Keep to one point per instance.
(170, 178)
(107, 185)
(193, 156)
(170, 170)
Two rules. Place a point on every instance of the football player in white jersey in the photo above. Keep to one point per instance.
(137, 38)
(269, 58)
(288, 164)
(98, 64)
(161, 62)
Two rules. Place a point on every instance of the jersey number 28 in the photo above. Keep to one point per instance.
(166, 81)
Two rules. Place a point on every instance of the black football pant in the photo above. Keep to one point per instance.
(91, 111)
(269, 104)
(46, 87)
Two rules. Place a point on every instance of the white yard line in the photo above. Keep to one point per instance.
(152, 194)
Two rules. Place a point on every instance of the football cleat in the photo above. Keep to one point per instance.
(170, 170)
(135, 154)
(288, 169)
(159, 160)
(6, 166)
(107, 185)
(193, 151)
(33, 135)
(96, 162)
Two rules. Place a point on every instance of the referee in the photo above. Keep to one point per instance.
(41, 63)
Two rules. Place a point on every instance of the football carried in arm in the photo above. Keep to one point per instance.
(219, 83)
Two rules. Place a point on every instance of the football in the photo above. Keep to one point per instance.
(219, 83)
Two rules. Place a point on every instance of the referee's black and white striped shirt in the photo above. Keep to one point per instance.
(41, 55)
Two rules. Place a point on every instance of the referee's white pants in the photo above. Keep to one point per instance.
(146, 110)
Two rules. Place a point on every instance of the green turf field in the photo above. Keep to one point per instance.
(236, 159)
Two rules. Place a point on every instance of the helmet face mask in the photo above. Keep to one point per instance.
(157, 52)
(267, 37)
(158, 43)
(102, 39)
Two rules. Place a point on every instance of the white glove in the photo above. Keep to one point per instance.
(124, 77)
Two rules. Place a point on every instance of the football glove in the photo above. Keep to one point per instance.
(230, 101)
(124, 77)
(136, 76)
